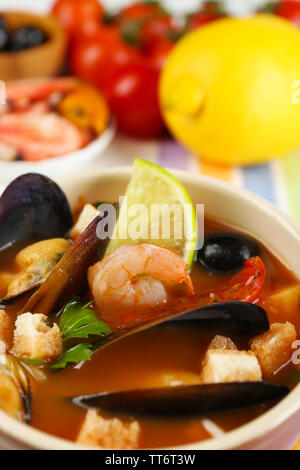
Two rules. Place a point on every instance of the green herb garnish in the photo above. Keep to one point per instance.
(33, 360)
(78, 353)
(79, 321)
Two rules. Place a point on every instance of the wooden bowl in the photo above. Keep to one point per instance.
(41, 61)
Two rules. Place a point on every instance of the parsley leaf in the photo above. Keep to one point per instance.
(32, 360)
(79, 321)
(78, 353)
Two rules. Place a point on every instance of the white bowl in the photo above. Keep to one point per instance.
(60, 165)
(279, 427)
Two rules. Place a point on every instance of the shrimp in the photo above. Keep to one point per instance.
(136, 279)
(37, 136)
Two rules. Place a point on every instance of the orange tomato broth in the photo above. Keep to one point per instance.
(154, 358)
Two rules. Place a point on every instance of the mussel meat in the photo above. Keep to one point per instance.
(15, 390)
(35, 263)
(33, 207)
(184, 400)
(68, 278)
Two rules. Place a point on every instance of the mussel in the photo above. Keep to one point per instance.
(33, 207)
(15, 390)
(237, 317)
(68, 278)
(35, 263)
(183, 400)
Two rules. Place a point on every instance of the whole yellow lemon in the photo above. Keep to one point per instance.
(230, 90)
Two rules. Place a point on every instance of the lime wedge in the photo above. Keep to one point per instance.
(156, 209)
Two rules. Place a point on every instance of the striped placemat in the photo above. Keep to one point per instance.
(277, 181)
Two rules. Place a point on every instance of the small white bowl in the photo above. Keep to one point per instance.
(60, 165)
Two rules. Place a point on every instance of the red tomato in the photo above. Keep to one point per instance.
(246, 285)
(78, 16)
(159, 53)
(96, 58)
(139, 10)
(290, 10)
(210, 12)
(133, 97)
(161, 28)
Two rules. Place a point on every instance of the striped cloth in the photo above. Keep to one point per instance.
(277, 181)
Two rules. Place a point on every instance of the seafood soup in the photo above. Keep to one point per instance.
(123, 345)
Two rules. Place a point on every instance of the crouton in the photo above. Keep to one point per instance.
(230, 366)
(108, 433)
(273, 348)
(5, 331)
(222, 342)
(35, 339)
(87, 215)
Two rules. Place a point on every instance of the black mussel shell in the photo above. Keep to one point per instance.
(183, 400)
(68, 279)
(226, 252)
(33, 207)
(232, 317)
(237, 317)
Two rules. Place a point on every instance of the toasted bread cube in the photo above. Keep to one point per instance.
(87, 215)
(108, 433)
(222, 342)
(5, 331)
(230, 366)
(273, 348)
(35, 339)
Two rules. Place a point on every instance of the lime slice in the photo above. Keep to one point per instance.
(156, 209)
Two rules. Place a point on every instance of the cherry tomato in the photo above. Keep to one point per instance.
(161, 28)
(139, 10)
(95, 58)
(209, 12)
(290, 10)
(78, 16)
(133, 97)
(247, 284)
(159, 53)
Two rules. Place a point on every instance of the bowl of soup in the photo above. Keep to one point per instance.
(199, 356)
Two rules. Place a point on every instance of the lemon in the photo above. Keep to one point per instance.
(156, 209)
(229, 89)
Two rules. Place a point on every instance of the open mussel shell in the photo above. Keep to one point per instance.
(69, 277)
(36, 263)
(33, 207)
(15, 390)
(184, 400)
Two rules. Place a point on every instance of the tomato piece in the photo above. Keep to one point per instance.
(96, 58)
(78, 16)
(133, 96)
(290, 10)
(246, 285)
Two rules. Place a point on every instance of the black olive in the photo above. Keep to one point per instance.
(226, 252)
(4, 35)
(27, 37)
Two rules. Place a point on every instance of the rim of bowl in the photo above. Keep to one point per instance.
(101, 141)
(20, 434)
